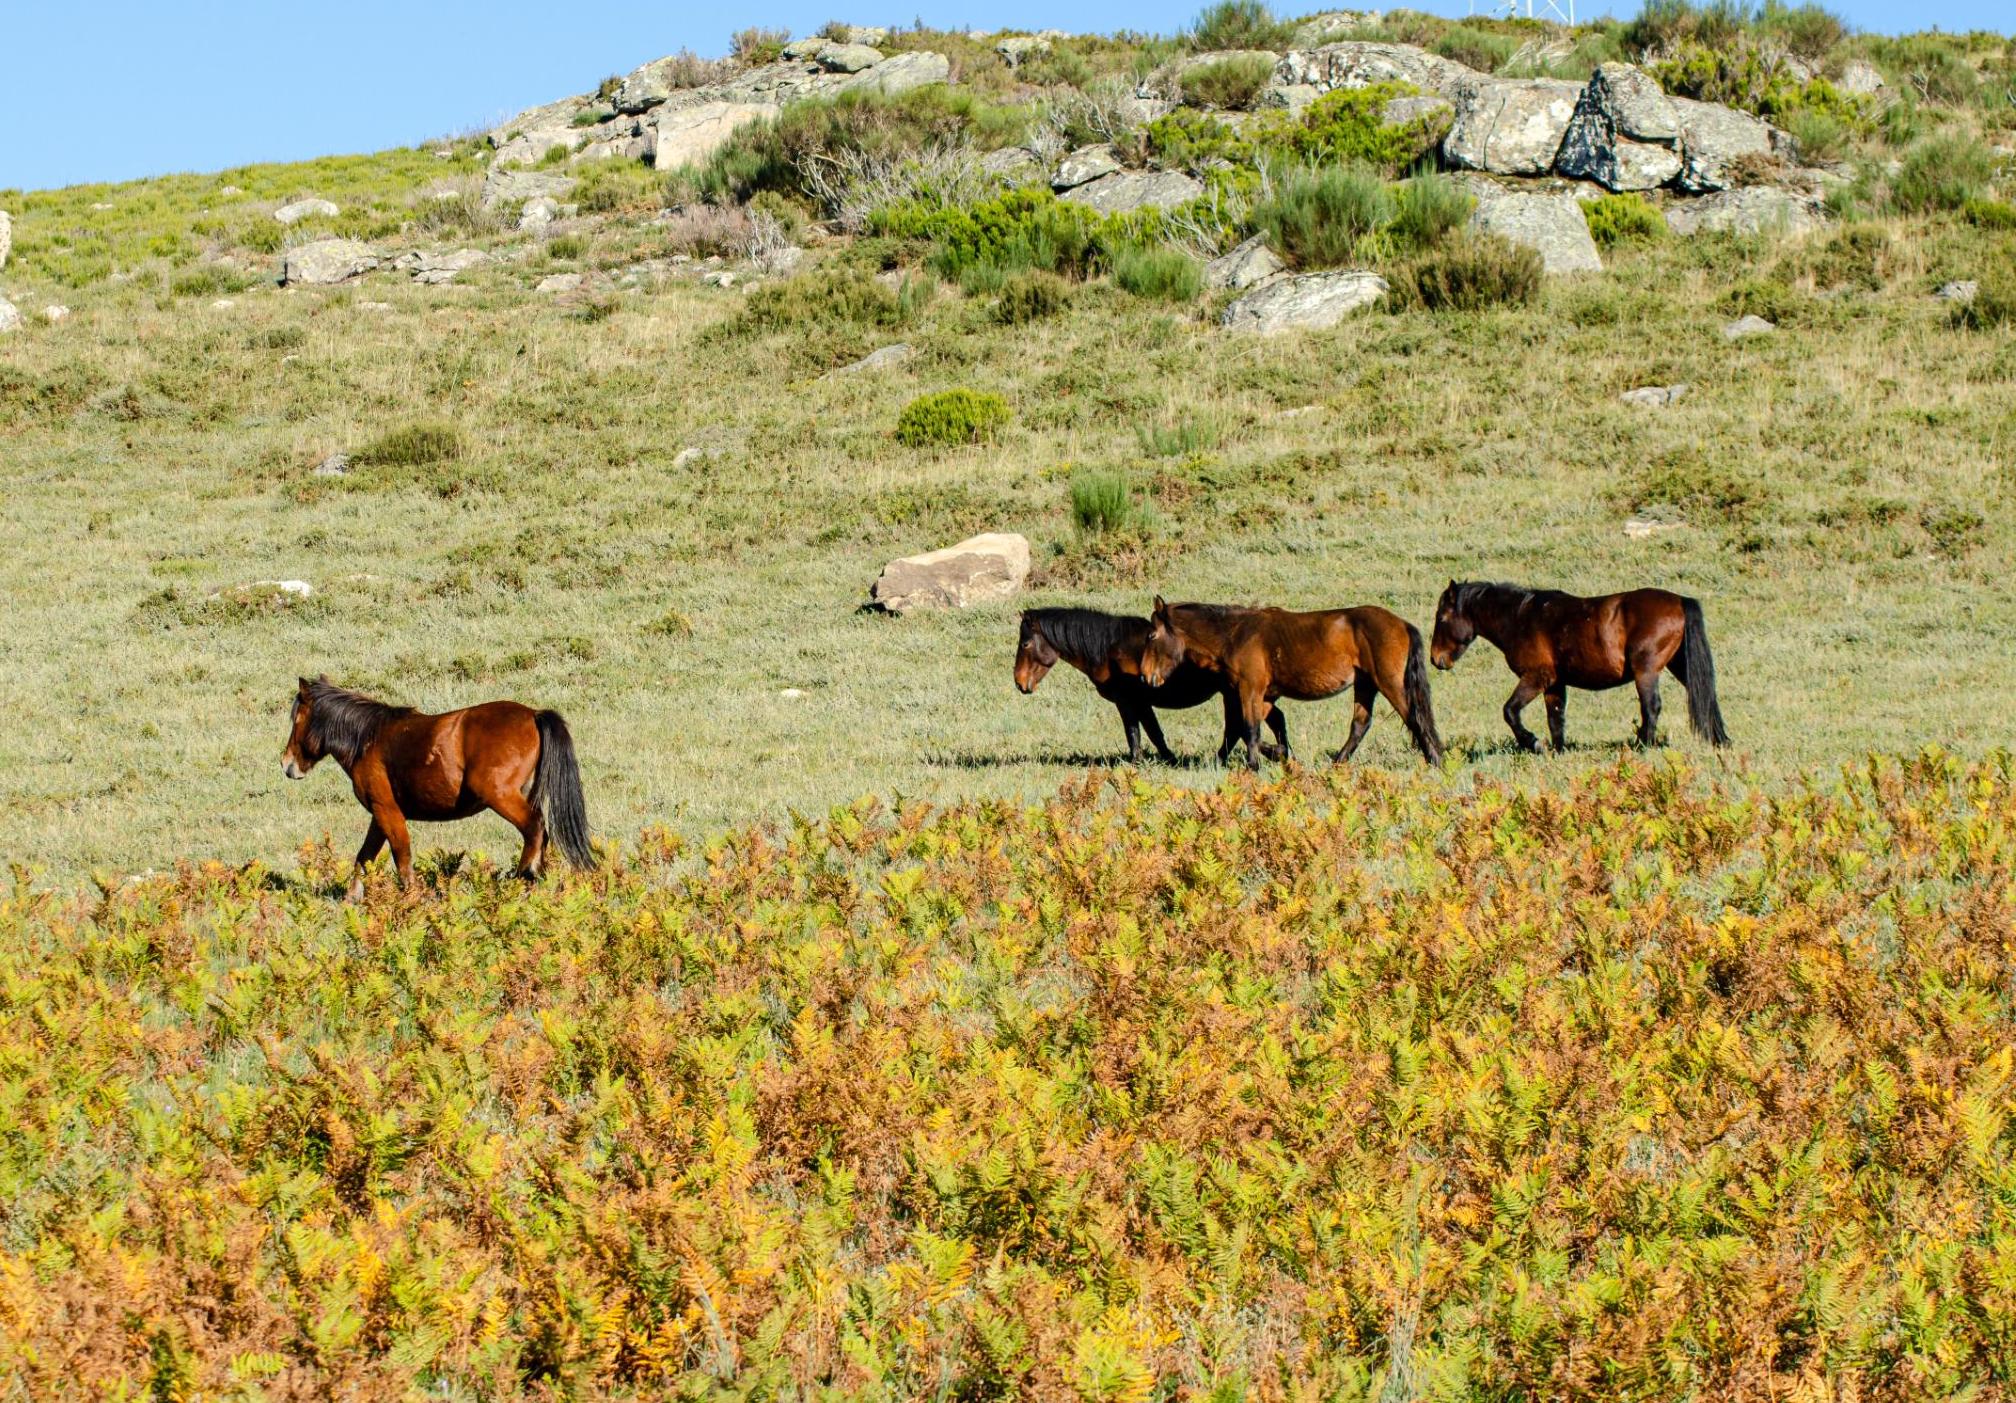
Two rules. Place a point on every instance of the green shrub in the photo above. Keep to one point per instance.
(1427, 209)
(1180, 439)
(1322, 216)
(1768, 298)
(1984, 213)
(1187, 139)
(1349, 125)
(412, 445)
(826, 298)
(756, 45)
(1230, 83)
(1663, 25)
(1469, 273)
(1856, 257)
(567, 247)
(1031, 296)
(1821, 136)
(951, 417)
(1485, 50)
(1807, 30)
(1059, 66)
(1102, 503)
(207, 280)
(1029, 228)
(1994, 303)
(1157, 271)
(1942, 173)
(1929, 64)
(1615, 220)
(1239, 24)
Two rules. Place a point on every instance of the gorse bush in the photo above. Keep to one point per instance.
(1156, 271)
(1239, 24)
(1230, 83)
(1643, 1083)
(1469, 273)
(1942, 173)
(412, 445)
(950, 418)
(1349, 126)
(1621, 219)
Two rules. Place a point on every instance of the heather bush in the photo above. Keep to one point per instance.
(1468, 273)
(1230, 83)
(1942, 173)
(1239, 24)
(950, 418)
(1620, 219)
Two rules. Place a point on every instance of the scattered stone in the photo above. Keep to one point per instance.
(1744, 327)
(720, 279)
(6, 236)
(1962, 291)
(1753, 209)
(1247, 266)
(1084, 166)
(880, 359)
(1311, 301)
(1510, 127)
(561, 282)
(335, 465)
(503, 187)
(1131, 190)
(304, 209)
(1655, 396)
(1638, 527)
(1860, 78)
(686, 136)
(55, 312)
(327, 261)
(792, 693)
(1549, 222)
(1020, 47)
(981, 568)
(539, 211)
(10, 316)
(437, 268)
(1625, 132)
(228, 190)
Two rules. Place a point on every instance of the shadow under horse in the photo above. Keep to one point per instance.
(1107, 649)
(1262, 655)
(1553, 641)
(404, 765)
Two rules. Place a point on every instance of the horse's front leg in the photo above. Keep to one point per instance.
(1132, 724)
(374, 839)
(1278, 724)
(1154, 729)
(1522, 695)
(1648, 707)
(1364, 692)
(1557, 716)
(388, 818)
(1253, 708)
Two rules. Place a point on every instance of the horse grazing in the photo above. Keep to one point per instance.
(405, 765)
(1554, 641)
(1261, 655)
(1107, 649)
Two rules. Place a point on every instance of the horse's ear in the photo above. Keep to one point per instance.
(305, 684)
(1160, 607)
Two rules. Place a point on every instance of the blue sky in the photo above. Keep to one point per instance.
(129, 88)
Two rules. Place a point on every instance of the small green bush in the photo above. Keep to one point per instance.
(1102, 503)
(1768, 298)
(1180, 439)
(1807, 30)
(1984, 213)
(1029, 228)
(1188, 139)
(1321, 216)
(1469, 273)
(567, 247)
(949, 418)
(1157, 271)
(1031, 296)
(412, 445)
(1942, 173)
(1855, 257)
(826, 298)
(207, 280)
(1239, 24)
(1994, 303)
(1349, 125)
(756, 45)
(1230, 83)
(1485, 50)
(1616, 220)
(1427, 209)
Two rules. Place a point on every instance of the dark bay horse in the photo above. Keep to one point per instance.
(1107, 649)
(405, 765)
(1262, 655)
(1553, 641)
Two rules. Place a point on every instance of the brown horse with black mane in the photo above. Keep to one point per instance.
(1553, 641)
(1107, 649)
(1261, 655)
(404, 765)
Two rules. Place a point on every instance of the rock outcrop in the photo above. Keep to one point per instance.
(1084, 166)
(1715, 139)
(1312, 302)
(1247, 266)
(1131, 190)
(686, 136)
(1625, 133)
(439, 267)
(306, 209)
(503, 187)
(1548, 221)
(327, 261)
(1358, 64)
(1755, 209)
(1510, 128)
(978, 569)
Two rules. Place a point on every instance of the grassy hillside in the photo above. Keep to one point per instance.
(1640, 1085)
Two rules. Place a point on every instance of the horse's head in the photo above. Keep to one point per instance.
(1453, 629)
(1164, 651)
(303, 750)
(1034, 657)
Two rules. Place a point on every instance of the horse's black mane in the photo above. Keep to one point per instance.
(342, 722)
(1086, 634)
(1517, 595)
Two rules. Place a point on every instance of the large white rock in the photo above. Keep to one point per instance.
(327, 261)
(980, 568)
(1550, 222)
(686, 136)
(1131, 190)
(1860, 78)
(1625, 132)
(1358, 64)
(6, 236)
(1085, 165)
(10, 316)
(304, 209)
(1246, 266)
(918, 68)
(1754, 209)
(1510, 127)
(502, 187)
(1312, 301)
(1713, 138)
(847, 58)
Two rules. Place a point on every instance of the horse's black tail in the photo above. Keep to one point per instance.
(1697, 674)
(556, 787)
(1420, 711)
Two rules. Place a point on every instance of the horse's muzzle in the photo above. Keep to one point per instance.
(292, 770)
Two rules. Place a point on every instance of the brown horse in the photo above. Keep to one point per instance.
(1553, 641)
(405, 765)
(1261, 655)
(1107, 649)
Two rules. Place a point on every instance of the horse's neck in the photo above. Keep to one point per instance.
(1207, 646)
(1491, 615)
(1097, 666)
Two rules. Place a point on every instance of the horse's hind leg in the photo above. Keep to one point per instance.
(1557, 716)
(1278, 724)
(1364, 694)
(374, 839)
(1522, 696)
(1154, 730)
(522, 814)
(1131, 723)
(1648, 707)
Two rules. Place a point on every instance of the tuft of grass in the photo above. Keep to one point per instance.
(1320, 216)
(1031, 296)
(412, 445)
(1486, 50)
(757, 45)
(1102, 503)
(1994, 302)
(951, 418)
(1469, 273)
(1157, 272)
(1181, 438)
(1239, 24)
